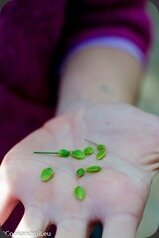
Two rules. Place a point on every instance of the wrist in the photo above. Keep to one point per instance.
(67, 106)
(98, 76)
(73, 106)
(83, 98)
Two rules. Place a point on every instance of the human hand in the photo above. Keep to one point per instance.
(116, 196)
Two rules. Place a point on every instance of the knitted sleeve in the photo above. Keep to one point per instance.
(115, 23)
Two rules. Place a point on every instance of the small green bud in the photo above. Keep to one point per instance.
(101, 147)
(80, 172)
(89, 150)
(78, 154)
(79, 193)
(47, 174)
(63, 153)
(101, 154)
(93, 169)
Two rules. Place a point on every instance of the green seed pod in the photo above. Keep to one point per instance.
(78, 154)
(101, 154)
(93, 169)
(63, 153)
(80, 172)
(89, 150)
(79, 193)
(47, 174)
(101, 147)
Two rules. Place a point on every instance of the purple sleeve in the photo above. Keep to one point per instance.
(122, 19)
(112, 42)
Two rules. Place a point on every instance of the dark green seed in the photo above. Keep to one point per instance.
(79, 193)
(89, 150)
(93, 169)
(101, 154)
(47, 174)
(63, 153)
(78, 154)
(101, 147)
(80, 172)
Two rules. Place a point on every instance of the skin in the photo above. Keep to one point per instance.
(98, 75)
(117, 195)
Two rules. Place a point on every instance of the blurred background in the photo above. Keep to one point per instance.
(148, 101)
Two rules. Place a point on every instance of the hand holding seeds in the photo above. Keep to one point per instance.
(47, 173)
(96, 164)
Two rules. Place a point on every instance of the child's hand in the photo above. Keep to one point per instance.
(116, 196)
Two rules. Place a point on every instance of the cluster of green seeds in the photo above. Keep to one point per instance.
(79, 191)
(91, 169)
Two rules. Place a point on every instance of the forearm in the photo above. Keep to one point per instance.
(98, 75)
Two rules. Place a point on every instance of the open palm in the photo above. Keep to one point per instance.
(116, 196)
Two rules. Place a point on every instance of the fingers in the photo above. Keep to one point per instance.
(121, 226)
(33, 224)
(72, 228)
(7, 202)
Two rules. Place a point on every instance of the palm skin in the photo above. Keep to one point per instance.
(116, 196)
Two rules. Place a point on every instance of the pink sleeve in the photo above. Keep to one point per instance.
(94, 19)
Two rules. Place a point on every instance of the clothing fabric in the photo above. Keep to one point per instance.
(112, 42)
(34, 37)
